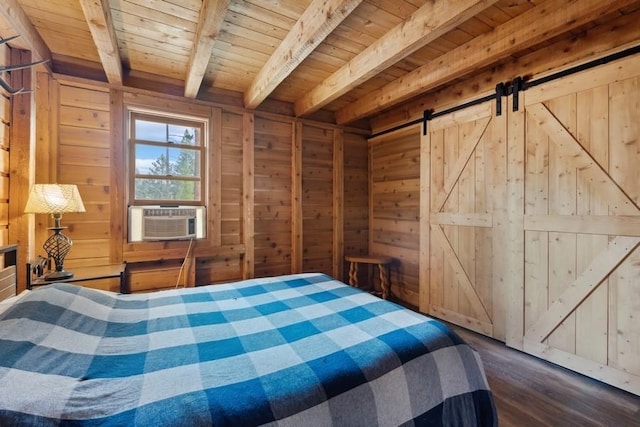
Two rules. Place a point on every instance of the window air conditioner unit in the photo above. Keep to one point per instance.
(148, 223)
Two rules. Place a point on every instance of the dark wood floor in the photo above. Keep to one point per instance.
(531, 392)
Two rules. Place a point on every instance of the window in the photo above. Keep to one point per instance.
(166, 156)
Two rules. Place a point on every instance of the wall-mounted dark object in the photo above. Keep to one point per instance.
(6, 86)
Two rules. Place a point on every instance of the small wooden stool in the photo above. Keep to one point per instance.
(383, 263)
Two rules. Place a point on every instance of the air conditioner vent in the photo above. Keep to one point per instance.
(166, 223)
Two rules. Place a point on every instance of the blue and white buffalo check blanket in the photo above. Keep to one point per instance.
(297, 350)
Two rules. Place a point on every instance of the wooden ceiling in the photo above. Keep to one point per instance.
(354, 58)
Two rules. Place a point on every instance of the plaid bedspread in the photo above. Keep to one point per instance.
(298, 350)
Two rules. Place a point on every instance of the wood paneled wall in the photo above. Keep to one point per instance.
(356, 197)
(274, 192)
(395, 208)
(83, 154)
(5, 141)
(273, 199)
(317, 199)
(18, 137)
(226, 197)
(16, 147)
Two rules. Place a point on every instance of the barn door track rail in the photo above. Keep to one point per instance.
(520, 83)
(514, 87)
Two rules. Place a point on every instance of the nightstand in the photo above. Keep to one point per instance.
(86, 274)
(8, 256)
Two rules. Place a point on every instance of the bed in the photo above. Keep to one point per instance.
(295, 350)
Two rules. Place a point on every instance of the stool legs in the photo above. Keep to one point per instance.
(381, 262)
(384, 281)
(353, 274)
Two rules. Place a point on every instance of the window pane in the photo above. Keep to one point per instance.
(166, 132)
(166, 189)
(166, 159)
(169, 160)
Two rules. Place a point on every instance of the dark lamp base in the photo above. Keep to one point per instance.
(58, 275)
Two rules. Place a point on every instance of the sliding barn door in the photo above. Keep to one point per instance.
(582, 222)
(464, 158)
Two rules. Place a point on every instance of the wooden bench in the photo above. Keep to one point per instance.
(382, 262)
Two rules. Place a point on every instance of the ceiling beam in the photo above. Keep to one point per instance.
(209, 24)
(98, 16)
(426, 24)
(543, 22)
(314, 25)
(29, 39)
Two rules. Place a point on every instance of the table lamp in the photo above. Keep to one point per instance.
(55, 199)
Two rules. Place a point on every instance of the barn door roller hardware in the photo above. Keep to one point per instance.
(513, 88)
(521, 84)
(430, 114)
(3, 68)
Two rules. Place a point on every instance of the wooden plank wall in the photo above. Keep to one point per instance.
(395, 208)
(273, 196)
(75, 131)
(226, 179)
(5, 123)
(356, 200)
(82, 156)
(317, 199)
